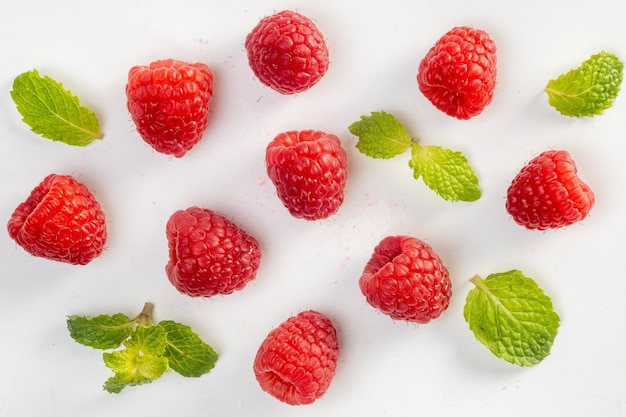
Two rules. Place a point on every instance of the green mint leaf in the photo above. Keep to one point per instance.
(446, 172)
(380, 135)
(134, 365)
(187, 353)
(589, 89)
(52, 111)
(512, 317)
(101, 332)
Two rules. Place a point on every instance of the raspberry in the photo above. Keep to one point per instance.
(169, 102)
(287, 52)
(458, 74)
(297, 361)
(209, 254)
(60, 220)
(547, 193)
(406, 280)
(309, 170)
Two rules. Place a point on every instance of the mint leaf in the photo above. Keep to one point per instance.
(138, 363)
(380, 135)
(148, 340)
(187, 353)
(52, 111)
(101, 332)
(446, 172)
(512, 317)
(589, 89)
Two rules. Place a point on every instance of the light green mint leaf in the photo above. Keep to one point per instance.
(380, 135)
(52, 111)
(512, 317)
(101, 332)
(589, 89)
(132, 366)
(150, 340)
(187, 353)
(446, 172)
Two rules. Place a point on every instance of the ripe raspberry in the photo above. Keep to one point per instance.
(458, 74)
(60, 220)
(296, 362)
(406, 280)
(209, 254)
(548, 194)
(287, 52)
(169, 103)
(309, 170)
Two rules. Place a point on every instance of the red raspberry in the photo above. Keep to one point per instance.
(287, 52)
(309, 170)
(406, 280)
(548, 194)
(296, 362)
(60, 220)
(458, 74)
(209, 254)
(169, 103)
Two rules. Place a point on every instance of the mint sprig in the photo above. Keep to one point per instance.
(512, 316)
(589, 89)
(52, 111)
(145, 350)
(445, 171)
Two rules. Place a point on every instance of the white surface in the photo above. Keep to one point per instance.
(386, 368)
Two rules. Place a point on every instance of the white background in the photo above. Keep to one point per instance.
(386, 368)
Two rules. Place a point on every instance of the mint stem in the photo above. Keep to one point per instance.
(477, 280)
(144, 317)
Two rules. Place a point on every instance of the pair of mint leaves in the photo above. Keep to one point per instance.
(445, 171)
(145, 350)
